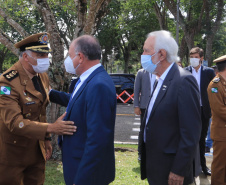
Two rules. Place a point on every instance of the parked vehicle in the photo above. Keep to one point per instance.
(123, 82)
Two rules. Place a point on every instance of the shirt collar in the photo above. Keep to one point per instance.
(86, 74)
(28, 73)
(193, 69)
(163, 76)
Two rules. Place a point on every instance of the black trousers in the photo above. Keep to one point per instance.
(141, 126)
(202, 141)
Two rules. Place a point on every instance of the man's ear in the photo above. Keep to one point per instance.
(162, 54)
(81, 57)
(25, 56)
(201, 59)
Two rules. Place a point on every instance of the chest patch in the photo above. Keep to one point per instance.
(5, 90)
(214, 90)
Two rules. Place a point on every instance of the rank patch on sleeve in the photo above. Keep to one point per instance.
(214, 90)
(5, 90)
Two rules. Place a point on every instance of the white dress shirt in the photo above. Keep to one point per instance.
(155, 94)
(84, 76)
(197, 76)
(152, 81)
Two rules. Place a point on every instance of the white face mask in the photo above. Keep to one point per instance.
(68, 63)
(42, 65)
(194, 62)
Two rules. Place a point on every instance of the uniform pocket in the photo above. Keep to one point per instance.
(13, 148)
(16, 141)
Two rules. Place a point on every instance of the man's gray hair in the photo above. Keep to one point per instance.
(27, 51)
(164, 40)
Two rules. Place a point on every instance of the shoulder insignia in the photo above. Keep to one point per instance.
(216, 80)
(11, 75)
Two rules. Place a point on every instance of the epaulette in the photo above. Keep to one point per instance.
(11, 75)
(216, 80)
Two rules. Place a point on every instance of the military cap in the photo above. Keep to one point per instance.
(220, 59)
(36, 43)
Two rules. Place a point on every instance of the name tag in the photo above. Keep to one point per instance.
(30, 103)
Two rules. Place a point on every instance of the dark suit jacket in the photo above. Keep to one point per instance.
(60, 97)
(88, 155)
(173, 129)
(207, 74)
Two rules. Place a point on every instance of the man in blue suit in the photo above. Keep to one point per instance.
(172, 123)
(88, 155)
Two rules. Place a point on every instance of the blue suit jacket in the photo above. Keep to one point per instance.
(88, 155)
(173, 129)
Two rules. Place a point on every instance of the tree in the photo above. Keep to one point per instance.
(213, 15)
(199, 17)
(122, 32)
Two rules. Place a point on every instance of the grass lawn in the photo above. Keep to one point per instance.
(127, 168)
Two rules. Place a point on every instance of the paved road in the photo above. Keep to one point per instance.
(127, 124)
(127, 128)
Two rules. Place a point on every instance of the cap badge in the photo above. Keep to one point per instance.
(44, 39)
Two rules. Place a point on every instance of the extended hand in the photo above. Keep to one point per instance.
(48, 148)
(61, 127)
(175, 179)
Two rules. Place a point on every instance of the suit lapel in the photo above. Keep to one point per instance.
(78, 93)
(202, 78)
(190, 69)
(163, 89)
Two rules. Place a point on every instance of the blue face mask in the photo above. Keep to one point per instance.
(147, 63)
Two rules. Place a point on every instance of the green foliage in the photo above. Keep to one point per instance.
(54, 173)
(122, 32)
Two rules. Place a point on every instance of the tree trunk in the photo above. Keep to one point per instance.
(3, 53)
(13, 23)
(183, 50)
(126, 58)
(212, 27)
(161, 16)
(189, 30)
(86, 24)
(209, 46)
(4, 39)
(56, 71)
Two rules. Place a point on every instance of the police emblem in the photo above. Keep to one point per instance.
(44, 39)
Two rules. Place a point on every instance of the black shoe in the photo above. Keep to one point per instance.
(207, 150)
(206, 171)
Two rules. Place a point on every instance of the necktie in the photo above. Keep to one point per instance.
(36, 84)
(73, 93)
(154, 87)
(146, 112)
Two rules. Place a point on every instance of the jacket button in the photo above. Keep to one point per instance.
(14, 142)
